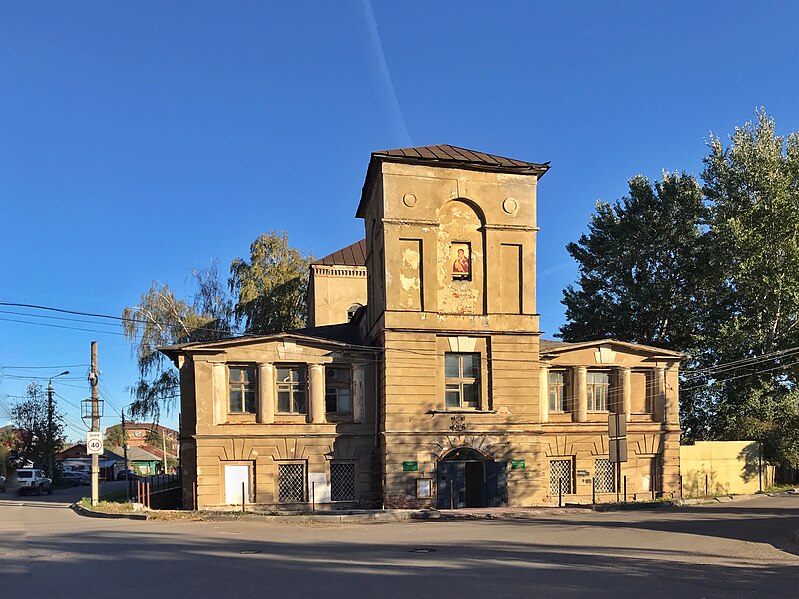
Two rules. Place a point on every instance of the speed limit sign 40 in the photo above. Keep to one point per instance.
(94, 443)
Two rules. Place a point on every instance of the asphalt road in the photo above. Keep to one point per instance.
(735, 549)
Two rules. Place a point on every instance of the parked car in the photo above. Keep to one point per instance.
(32, 480)
(2, 484)
(126, 475)
(73, 478)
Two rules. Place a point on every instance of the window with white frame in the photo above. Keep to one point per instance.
(342, 481)
(291, 390)
(241, 390)
(558, 391)
(598, 386)
(291, 483)
(338, 390)
(462, 380)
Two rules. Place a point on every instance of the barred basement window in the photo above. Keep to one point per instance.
(560, 477)
(342, 481)
(603, 476)
(291, 483)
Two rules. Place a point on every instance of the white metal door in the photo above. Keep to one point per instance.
(235, 477)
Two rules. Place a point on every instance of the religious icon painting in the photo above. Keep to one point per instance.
(461, 256)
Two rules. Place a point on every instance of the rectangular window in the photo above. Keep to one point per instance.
(558, 391)
(338, 390)
(560, 477)
(241, 390)
(598, 384)
(291, 390)
(342, 481)
(603, 476)
(291, 483)
(462, 380)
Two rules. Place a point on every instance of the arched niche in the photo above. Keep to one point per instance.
(461, 258)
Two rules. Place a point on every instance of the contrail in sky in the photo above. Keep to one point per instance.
(374, 38)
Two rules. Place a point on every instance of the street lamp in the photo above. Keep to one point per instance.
(50, 435)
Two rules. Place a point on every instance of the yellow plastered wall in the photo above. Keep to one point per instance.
(723, 467)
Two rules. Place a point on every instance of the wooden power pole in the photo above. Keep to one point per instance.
(93, 381)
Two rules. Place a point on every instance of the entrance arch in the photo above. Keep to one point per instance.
(467, 477)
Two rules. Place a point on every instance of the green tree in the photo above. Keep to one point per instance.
(752, 187)
(160, 319)
(114, 436)
(270, 288)
(34, 439)
(641, 265)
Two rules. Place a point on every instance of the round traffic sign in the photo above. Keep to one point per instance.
(95, 445)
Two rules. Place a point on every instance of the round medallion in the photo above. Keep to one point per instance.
(510, 205)
(409, 200)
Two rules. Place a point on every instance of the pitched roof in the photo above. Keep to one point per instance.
(447, 155)
(352, 255)
(548, 346)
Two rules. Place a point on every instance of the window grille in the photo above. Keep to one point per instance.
(560, 474)
(291, 483)
(342, 481)
(603, 476)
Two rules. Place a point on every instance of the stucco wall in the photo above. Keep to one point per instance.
(728, 467)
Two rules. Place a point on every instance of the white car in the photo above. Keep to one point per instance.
(32, 480)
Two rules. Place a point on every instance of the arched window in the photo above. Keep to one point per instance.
(352, 310)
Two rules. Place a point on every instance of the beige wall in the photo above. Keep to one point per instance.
(332, 291)
(265, 438)
(728, 467)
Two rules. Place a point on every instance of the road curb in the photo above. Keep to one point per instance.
(82, 511)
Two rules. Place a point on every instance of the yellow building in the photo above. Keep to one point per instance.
(440, 391)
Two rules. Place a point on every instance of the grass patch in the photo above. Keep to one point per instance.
(778, 489)
(111, 507)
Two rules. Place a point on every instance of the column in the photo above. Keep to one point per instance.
(659, 395)
(220, 394)
(626, 391)
(672, 396)
(266, 393)
(544, 394)
(317, 403)
(581, 393)
(358, 393)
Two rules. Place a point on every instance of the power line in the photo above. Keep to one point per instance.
(2, 366)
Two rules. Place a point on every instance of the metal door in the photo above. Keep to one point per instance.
(451, 485)
(496, 484)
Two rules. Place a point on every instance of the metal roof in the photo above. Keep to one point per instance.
(447, 155)
(352, 255)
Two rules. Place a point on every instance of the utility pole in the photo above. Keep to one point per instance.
(93, 382)
(50, 432)
(125, 449)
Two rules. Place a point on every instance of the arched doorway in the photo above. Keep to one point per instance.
(467, 477)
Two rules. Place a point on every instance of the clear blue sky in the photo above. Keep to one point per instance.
(141, 140)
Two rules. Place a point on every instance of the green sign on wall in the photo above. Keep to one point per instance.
(517, 464)
(410, 466)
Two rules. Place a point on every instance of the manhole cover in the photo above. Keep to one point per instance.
(249, 551)
(422, 550)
